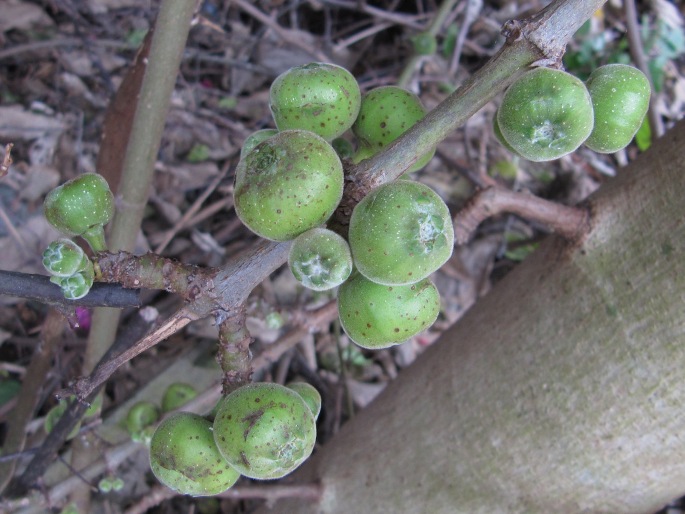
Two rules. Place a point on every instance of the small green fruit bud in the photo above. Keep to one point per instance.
(117, 484)
(141, 415)
(254, 139)
(424, 43)
(177, 395)
(63, 258)
(77, 285)
(81, 207)
(342, 147)
(309, 394)
(53, 416)
(320, 259)
(105, 485)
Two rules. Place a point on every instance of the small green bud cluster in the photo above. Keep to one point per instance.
(289, 182)
(547, 113)
(69, 267)
(262, 431)
(80, 207)
(110, 483)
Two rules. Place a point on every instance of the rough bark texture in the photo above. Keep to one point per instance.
(560, 391)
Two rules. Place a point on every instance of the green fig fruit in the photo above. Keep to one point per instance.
(319, 97)
(184, 457)
(141, 415)
(288, 184)
(620, 98)
(81, 207)
(546, 114)
(177, 395)
(386, 113)
(254, 139)
(400, 233)
(320, 259)
(376, 316)
(309, 394)
(264, 430)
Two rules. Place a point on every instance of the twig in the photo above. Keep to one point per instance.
(82, 387)
(473, 8)
(570, 222)
(282, 33)
(6, 160)
(39, 288)
(637, 51)
(33, 383)
(433, 29)
(182, 223)
(233, 354)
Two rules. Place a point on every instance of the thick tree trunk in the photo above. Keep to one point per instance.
(560, 391)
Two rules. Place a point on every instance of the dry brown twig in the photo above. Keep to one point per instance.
(6, 160)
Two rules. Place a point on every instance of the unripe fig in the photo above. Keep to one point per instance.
(376, 316)
(184, 457)
(545, 114)
(254, 139)
(424, 43)
(141, 415)
(498, 134)
(63, 258)
(309, 394)
(81, 207)
(386, 113)
(288, 184)
(53, 416)
(400, 233)
(620, 98)
(264, 430)
(177, 395)
(342, 147)
(320, 259)
(320, 97)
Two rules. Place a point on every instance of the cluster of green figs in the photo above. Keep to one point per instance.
(262, 431)
(288, 183)
(290, 180)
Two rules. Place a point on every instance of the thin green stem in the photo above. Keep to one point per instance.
(95, 237)
(433, 29)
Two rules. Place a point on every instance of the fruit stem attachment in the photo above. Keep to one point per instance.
(95, 237)
(234, 355)
(569, 222)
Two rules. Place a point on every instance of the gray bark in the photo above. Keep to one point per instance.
(560, 391)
